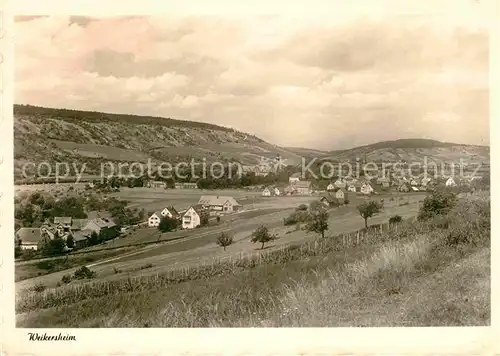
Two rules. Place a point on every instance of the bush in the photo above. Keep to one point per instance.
(84, 273)
(302, 207)
(469, 223)
(395, 219)
(296, 217)
(39, 287)
(66, 278)
(438, 203)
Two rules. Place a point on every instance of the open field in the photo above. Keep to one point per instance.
(198, 246)
(411, 274)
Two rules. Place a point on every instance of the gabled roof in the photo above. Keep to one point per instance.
(29, 235)
(65, 220)
(329, 198)
(82, 235)
(102, 222)
(77, 224)
(198, 208)
(216, 200)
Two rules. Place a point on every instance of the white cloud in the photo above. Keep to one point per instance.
(293, 79)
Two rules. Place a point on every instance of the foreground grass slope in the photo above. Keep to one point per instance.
(430, 273)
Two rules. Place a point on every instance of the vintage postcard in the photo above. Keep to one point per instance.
(262, 178)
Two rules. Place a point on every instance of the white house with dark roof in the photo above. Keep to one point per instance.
(366, 188)
(28, 238)
(192, 217)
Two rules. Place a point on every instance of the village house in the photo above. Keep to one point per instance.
(28, 238)
(328, 200)
(289, 190)
(192, 217)
(99, 224)
(303, 187)
(403, 187)
(341, 194)
(157, 184)
(414, 182)
(366, 188)
(340, 183)
(414, 189)
(352, 187)
(63, 223)
(271, 191)
(217, 203)
(186, 185)
(294, 178)
(330, 187)
(450, 182)
(155, 218)
(80, 238)
(425, 181)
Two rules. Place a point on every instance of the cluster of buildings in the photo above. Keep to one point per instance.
(163, 185)
(63, 226)
(208, 205)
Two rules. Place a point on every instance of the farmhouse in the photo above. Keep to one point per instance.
(219, 203)
(294, 178)
(330, 187)
(341, 194)
(303, 187)
(192, 217)
(28, 238)
(99, 224)
(366, 188)
(186, 185)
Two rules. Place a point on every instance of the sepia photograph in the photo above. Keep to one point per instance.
(327, 169)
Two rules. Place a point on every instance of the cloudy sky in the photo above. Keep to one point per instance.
(322, 82)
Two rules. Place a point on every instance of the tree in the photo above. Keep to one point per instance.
(224, 239)
(395, 219)
(93, 239)
(167, 224)
(318, 222)
(438, 203)
(262, 235)
(315, 206)
(204, 220)
(368, 209)
(70, 242)
(54, 246)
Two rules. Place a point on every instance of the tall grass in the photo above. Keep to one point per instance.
(63, 295)
(374, 288)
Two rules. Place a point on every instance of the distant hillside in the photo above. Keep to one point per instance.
(60, 135)
(413, 150)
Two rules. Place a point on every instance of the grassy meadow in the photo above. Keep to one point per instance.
(430, 273)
